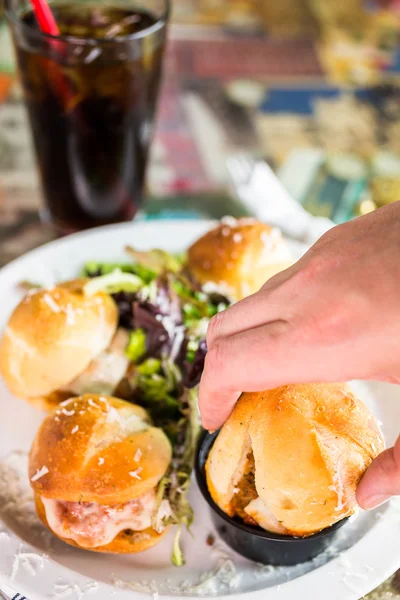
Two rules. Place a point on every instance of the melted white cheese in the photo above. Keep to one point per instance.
(263, 517)
(92, 525)
(105, 371)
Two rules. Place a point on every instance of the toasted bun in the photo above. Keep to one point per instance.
(83, 430)
(311, 445)
(124, 543)
(239, 255)
(52, 336)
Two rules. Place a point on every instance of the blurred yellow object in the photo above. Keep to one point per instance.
(345, 124)
(356, 46)
(338, 14)
(348, 60)
(385, 189)
(246, 92)
(366, 206)
(287, 17)
(236, 13)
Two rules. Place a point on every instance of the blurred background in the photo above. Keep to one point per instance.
(311, 86)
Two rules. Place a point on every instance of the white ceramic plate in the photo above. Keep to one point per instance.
(39, 566)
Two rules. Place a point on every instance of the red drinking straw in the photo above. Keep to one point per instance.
(47, 24)
(45, 17)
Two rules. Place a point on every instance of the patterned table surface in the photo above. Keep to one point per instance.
(199, 126)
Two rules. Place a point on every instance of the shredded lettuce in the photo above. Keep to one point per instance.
(177, 554)
(161, 490)
(28, 286)
(190, 313)
(136, 347)
(149, 367)
(96, 269)
(153, 388)
(156, 260)
(192, 347)
(196, 304)
(167, 314)
(155, 394)
(174, 486)
(149, 292)
(157, 382)
(112, 283)
(172, 373)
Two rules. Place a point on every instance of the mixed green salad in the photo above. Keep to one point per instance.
(166, 312)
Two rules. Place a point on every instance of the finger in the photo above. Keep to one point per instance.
(265, 357)
(238, 363)
(382, 479)
(255, 310)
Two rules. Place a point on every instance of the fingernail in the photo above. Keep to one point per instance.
(376, 501)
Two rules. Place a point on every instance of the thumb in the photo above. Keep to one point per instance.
(381, 480)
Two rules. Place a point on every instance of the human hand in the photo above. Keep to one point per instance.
(333, 316)
(382, 480)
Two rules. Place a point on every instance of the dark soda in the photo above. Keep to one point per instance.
(91, 98)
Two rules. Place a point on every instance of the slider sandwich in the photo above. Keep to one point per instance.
(63, 341)
(289, 460)
(95, 468)
(239, 256)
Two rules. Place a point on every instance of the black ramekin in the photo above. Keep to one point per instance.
(253, 542)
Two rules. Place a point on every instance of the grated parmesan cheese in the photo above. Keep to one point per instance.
(113, 416)
(229, 221)
(138, 455)
(67, 402)
(135, 474)
(51, 303)
(163, 514)
(338, 488)
(62, 590)
(29, 560)
(17, 500)
(75, 429)
(178, 338)
(70, 313)
(43, 471)
(67, 413)
(142, 587)
(93, 403)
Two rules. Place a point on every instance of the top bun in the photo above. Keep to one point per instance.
(52, 336)
(239, 255)
(98, 449)
(310, 445)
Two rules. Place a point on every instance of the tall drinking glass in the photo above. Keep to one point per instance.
(91, 96)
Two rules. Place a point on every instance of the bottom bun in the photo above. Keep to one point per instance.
(123, 543)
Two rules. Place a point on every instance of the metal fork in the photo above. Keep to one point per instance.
(241, 169)
(262, 192)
